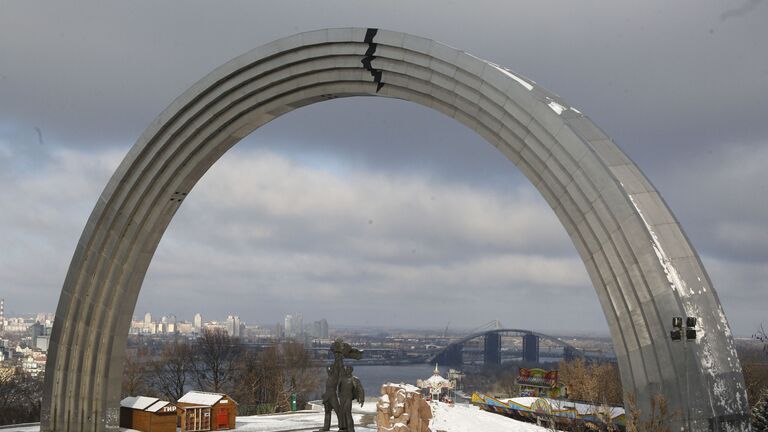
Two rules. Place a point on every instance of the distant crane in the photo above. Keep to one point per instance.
(445, 332)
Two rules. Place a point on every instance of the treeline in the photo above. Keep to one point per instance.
(261, 382)
(754, 362)
(600, 384)
(20, 397)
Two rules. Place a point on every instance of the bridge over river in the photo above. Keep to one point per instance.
(454, 353)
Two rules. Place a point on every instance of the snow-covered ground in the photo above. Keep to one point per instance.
(447, 418)
(302, 420)
(469, 418)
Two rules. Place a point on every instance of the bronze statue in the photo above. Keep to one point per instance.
(350, 388)
(336, 375)
(330, 398)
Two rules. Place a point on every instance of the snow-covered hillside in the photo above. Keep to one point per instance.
(447, 418)
(468, 418)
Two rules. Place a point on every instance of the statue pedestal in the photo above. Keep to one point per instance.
(402, 408)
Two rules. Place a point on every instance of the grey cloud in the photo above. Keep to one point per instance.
(372, 206)
(229, 237)
(655, 60)
(682, 90)
(344, 247)
(44, 208)
(719, 198)
(742, 290)
(740, 11)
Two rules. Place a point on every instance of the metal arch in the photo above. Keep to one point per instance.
(643, 268)
(475, 335)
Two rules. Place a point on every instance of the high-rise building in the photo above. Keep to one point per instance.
(315, 330)
(147, 319)
(197, 323)
(162, 326)
(171, 325)
(298, 325)
(233, 326)
(323, 333)
(294, 325)
(42, 342)
(2, 314)
(36, 329)
(288, 326)
(184, 328)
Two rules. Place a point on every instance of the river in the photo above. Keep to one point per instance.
(372, 376)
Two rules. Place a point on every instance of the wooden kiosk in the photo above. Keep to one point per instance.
(201, 411)
(147, 414)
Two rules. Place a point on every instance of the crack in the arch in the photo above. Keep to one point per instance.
(369, 56)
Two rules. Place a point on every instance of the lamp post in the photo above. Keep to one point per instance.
(684, 333)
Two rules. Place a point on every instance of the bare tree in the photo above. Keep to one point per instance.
(755, 369)
(760, 412)
(762, 336)
(301, 376)
(578, 377)
(251, 391)
(657, 419)
(170, 373)
(598, 383)
(507, 384)
(134, 376)
(270, 377)
(8, 390)
(610, 390)
(271, 364)
(20, 396)
(214, 360)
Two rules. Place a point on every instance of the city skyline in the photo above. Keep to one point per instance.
(380, 211)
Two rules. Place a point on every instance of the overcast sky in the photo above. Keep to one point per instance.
(370, 211)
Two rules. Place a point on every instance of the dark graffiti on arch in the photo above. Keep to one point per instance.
(369, 56)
